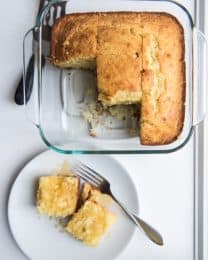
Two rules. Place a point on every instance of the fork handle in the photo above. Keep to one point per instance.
(153, 234)
(150, 232)
(19, 94)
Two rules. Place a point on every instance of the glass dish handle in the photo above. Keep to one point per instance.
(30, 51)
(200, 56)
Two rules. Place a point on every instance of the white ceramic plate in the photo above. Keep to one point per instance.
(40, 239)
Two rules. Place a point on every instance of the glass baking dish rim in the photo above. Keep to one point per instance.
(52, 2)
(104, 151)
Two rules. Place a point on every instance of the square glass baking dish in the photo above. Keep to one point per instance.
(59, 95)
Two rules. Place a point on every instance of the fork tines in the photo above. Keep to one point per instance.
(87, 173)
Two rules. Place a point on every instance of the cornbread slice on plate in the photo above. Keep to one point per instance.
(90, 192)
(90, 223)
(57, 196)
(86, 191)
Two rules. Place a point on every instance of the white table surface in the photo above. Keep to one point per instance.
(164, 182)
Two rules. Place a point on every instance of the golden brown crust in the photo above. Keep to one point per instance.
(119, 18)
(140, 57)
(119, 63)
(73, 38)
(113, 72)
(119, 40)
(163, 80)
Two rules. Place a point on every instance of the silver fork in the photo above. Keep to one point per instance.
(93, 177)
(55, 11)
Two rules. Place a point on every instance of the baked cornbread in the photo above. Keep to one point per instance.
(86, 191)
(109, 68)
(90, 192)
(90, 223)
(118, 46)
(119, 40)
(93, 219)
(163, 80)
(57, 196)
(74, 42)
(139, 59)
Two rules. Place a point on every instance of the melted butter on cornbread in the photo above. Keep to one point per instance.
(57, 196)
(90, 223)
(93, 219)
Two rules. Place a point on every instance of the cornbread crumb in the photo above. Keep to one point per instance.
(92, 132)
(90, 223)
(57, 196)
(95, 114)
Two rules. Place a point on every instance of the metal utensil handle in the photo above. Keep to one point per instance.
(31, 107)
(29, 78)
(19, 94)
(200, 57)
(151, 233)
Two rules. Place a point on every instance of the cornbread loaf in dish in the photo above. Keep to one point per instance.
(57, 196)
(139, 58)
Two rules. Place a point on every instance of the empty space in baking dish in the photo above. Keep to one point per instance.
(87, 116)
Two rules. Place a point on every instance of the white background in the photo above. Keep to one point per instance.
(164, 182)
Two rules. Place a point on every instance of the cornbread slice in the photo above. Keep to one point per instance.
(57, 196)
(90, 223)
(90, 192)
(163, 84)
(86, 191)
(119, 64)
(117, 82)
(74, 42)
(79, 50)
(119, 40)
